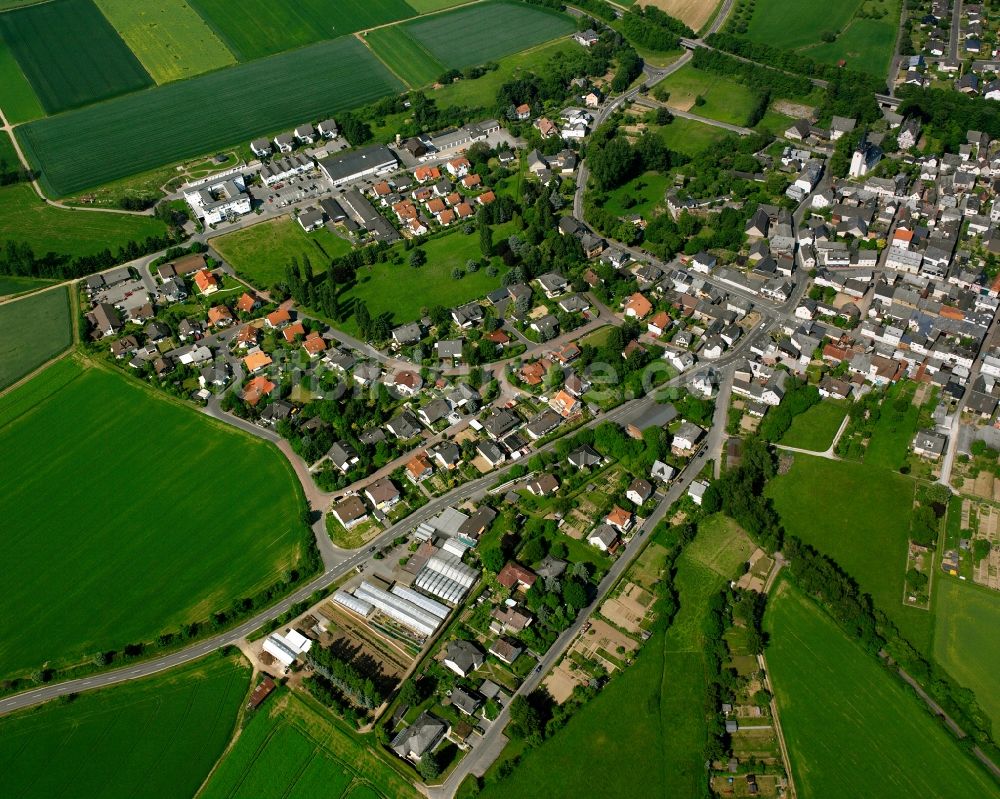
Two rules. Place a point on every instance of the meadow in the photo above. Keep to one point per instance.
(404, 55)
(290, 751)
(168, 37)
(725, 99)
(70, 54)
(815, 429)
(889, 446)
(106, 141)
(641, 195)
(17, 99)
(650, 714)
(690, 137)
(852, 727)
(33, 330)
(865, 45)
(26, 218)
(133, 514)
(486, 31)
(261, 252)
(402, 291)
(428, 6)
(256, 28)
(966, 644)
(158, 736)
(859, 515)
(794, 23)
(10, 284)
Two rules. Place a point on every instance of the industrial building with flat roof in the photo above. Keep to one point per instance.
(357, 164)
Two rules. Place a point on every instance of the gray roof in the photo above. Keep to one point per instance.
(343, 167)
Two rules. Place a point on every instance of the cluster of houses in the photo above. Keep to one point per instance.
(967, 59)
(305, 135)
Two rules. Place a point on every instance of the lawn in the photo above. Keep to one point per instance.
(85, 148)
(651, 714)
(725, 99)
(70, 53)
(255, 28)
(486, 31)
(156, 737)
(690, 137)
(859, 515)
(33, 330)
(18, 100)
(852, 727)
(641, 195)
(815, 429)
(897, 424)
(168, 37)
(966, 644)
(404, 55)
(794, 23)
(402, 291)
(721, 545)
(290, 750)
(26, 218)
(866, 45)
(133, 514)
(260, 253)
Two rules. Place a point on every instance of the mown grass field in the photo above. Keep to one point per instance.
(851, 727)
(24, 217)
(816, 428)
(33, 330)
(156, 737)
(404, 55)
(133, 515)
(690, 137)
(794, 23)
(17, 99)
(966, 644)
(651, 714)
(106, 141)
(859, 515)
(486, 31)
(402, 291)
(168, 37)
(725, 100)
(70, 53)
(256, 28)
(290, 751)
(261, 252)
(865, 45)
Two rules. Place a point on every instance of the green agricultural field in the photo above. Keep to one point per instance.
(966, 644)
(168, 37)
(794, 23)
(690, 137)
(866, 45)
(401, 291)
(70, 53)
(135, 514)
(261, 252)
(486, 31)
(816, 428)
(156, 737)
(859, 515)
(650, 714)
(24, 217)
(852, 727)
(33, 330)
(256, 28)
(404, 55)
(290, 751)
(641, 195)
(98, 144)
(725, 99)
(8, 155)
(429, 6)
(18, 100)
(10, 285)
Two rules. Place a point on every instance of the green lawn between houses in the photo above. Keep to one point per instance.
(103, 142)
(70, 53)
(261, 252)
(816, 428)
(289, 750)
(650, 715)
(859, 515)
(132, 513)
(159, 736)
(966, 644)
(168, 37)
(852, 727)
(45, 228)
(33, 330)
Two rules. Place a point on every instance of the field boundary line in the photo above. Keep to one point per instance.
(424, 16)
(357, 35)
(74, 337)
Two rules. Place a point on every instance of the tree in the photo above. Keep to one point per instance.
(533, 551)
(980, 549)
(574, 595)
(418, 258)
(429, 767)
(493, 559)
(485, 238)
(363, 317)
(408, 694)
(457, 273)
